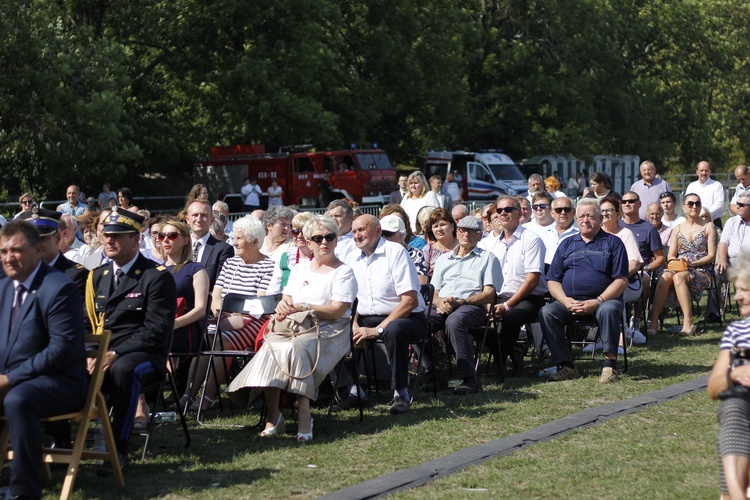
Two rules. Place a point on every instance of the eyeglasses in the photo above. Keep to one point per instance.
(560, 210)
(171, 236)
(607, 211)
(628, 202)
(742, 205)
(154, 234)
(318, 238)
(692, 204)
(507, 210)
(540, 206)
(283, 224)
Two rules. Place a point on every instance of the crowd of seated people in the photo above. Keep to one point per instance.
(528, 246)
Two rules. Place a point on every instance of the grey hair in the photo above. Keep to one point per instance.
(536, 177)
(745, 195)
(318, 221)
(591, 202)
(739, 272)
(273, 214)
(251, 228)
(220, 205)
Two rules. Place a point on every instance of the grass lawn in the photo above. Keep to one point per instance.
(667, 450)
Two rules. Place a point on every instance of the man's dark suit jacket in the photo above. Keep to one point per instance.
(214, 256)
(140, 311)
(46, 344)
(396, 197)
(76, 272)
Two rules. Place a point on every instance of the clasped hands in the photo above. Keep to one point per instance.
(446, 305)
(360, 334)
(581, 307)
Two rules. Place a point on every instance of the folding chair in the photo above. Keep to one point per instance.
(589, 323)
(95, 407)
(157, 389)
(233, 303)
(482, 331)
(428, 292)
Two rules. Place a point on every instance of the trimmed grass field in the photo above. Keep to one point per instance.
(667, 450)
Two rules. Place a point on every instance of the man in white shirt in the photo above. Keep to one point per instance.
(70, 246)
(521, 255)
(743, 177)
(541, 207)
(452, 188)
(563, 212)
(711, 192)
(390, 306)
(536, 184)
(343, 214)
(735, 238)
(250, 192)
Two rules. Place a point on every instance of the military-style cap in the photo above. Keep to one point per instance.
(46, 221)
(123, 221)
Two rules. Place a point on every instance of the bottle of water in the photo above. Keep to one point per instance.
(165, 417)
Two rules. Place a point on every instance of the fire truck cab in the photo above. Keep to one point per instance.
(307, 177)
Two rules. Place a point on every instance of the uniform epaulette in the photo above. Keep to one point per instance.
(79, 266)
(161, 268)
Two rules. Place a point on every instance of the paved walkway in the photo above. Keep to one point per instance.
(455, 462)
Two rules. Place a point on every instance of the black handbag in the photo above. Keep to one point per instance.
(738, 356)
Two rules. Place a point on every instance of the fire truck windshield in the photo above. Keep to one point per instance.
(374, 161)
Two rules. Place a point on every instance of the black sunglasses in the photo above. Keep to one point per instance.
(507, 210)
(296, 232)
(560, 210)
(628, 202)
(742, 205)
(692, 204)
(319, 238)
(540, 206)
(171, 236)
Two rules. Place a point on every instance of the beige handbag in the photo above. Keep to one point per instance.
(292, 326)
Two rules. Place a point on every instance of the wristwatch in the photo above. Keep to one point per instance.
(380, 330)
(305, 306)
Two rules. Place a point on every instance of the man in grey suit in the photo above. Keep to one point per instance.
(42, 356)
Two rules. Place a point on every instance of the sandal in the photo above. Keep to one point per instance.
(140, 423)
(203, 403)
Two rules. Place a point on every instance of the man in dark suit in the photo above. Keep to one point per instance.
(209, 251)
(42, 356)
(138, 299)
(398, 195)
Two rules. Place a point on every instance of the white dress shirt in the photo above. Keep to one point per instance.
(711, 194)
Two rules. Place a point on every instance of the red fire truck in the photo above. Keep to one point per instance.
(308, 177)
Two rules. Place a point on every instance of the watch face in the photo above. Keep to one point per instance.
(380, 329)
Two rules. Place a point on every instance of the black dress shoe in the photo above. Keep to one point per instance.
(348, 403)
(105, 469)
(468, 386)
(713, 318)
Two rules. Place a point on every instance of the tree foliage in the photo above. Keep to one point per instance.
(94, 90)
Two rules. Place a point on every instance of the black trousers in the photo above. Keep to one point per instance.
(123, 381)
(397, 336)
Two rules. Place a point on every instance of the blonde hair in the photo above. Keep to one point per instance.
(422, 180)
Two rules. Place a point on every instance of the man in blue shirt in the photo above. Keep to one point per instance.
(586, 278)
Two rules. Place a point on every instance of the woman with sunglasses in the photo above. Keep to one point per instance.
(299, 365)
(300, 252)
(694, 243)
(154, 252)
(249, 273)
(668, 203)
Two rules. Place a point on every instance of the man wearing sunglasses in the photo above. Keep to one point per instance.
(563, 213)
(735, 238)
(541, 207)
(649, 187)
(742, 174)
(390, 306)
(520, 252)
(711, 192)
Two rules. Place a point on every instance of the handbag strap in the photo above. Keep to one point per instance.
(317, 355)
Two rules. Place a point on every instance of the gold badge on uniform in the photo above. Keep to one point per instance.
(137, 272)
(106, 272)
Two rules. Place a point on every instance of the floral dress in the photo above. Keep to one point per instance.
(692, 251)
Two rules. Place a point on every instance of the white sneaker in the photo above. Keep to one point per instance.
(590, 347)
(638, 337)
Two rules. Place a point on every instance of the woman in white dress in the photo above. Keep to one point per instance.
(419, 196)
(299, 365)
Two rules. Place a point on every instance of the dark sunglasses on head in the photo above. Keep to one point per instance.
(560, 210)
(628, 202)
(319, 238)
(540, 206)
(742, 205)
(692, 204)
(507, 210)
(666, 194)
(171, 236)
